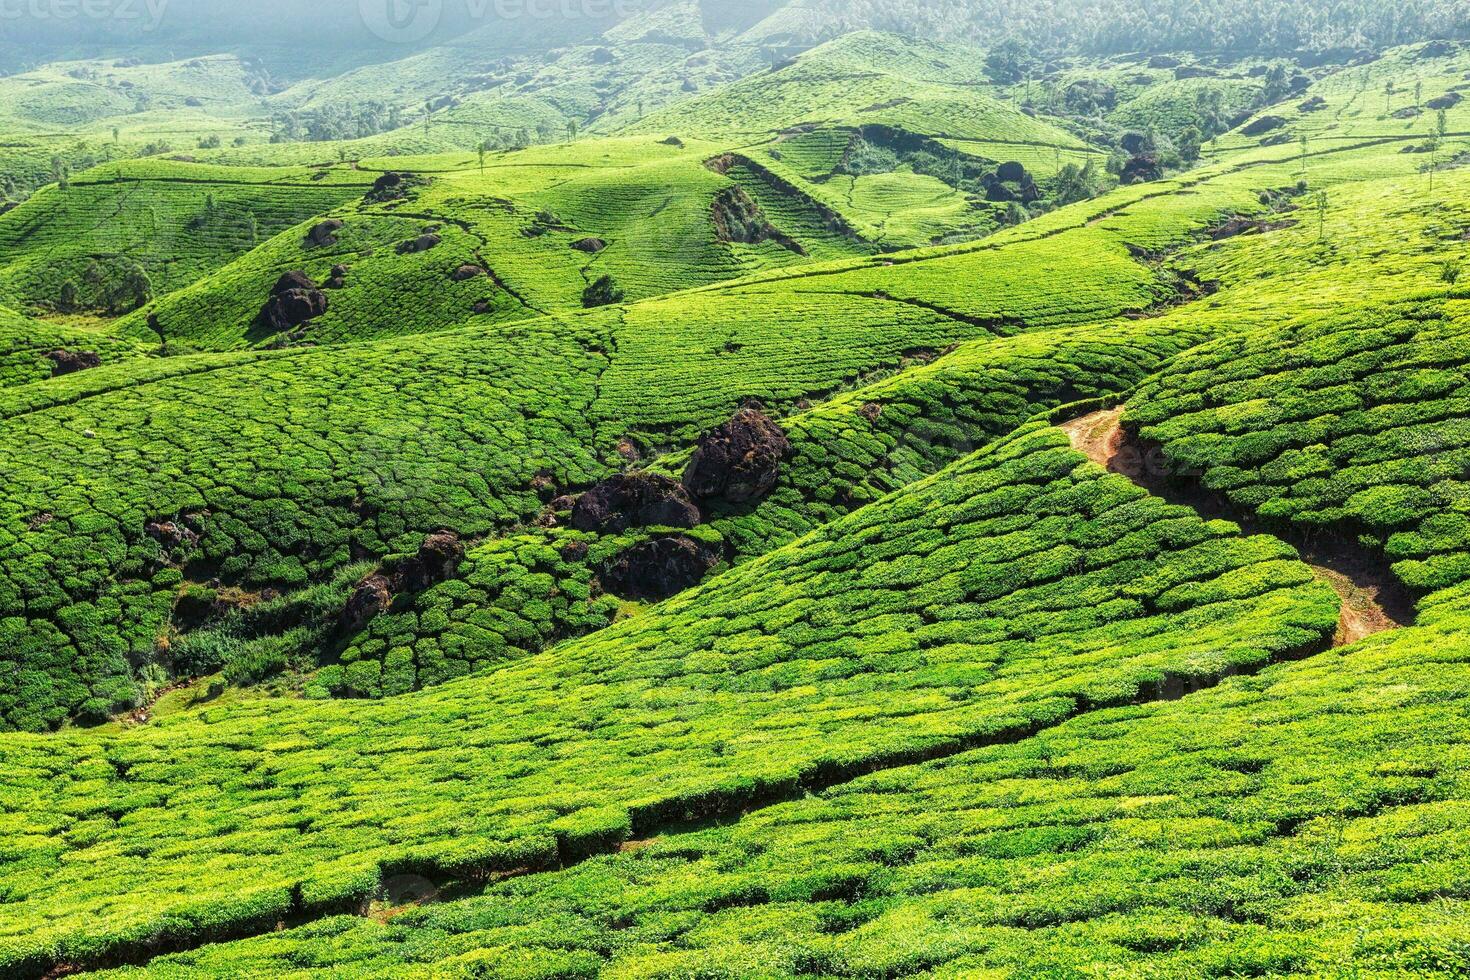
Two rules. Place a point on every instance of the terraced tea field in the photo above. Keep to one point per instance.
(176, 221)
(713, 492)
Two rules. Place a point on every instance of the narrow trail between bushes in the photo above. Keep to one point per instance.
(1373, 601)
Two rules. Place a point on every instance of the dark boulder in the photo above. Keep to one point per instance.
(634, 499)
(292, 280)
(1142, 169)
(672, 141)
(420, 244)
(324, 232)
(1011, 172)
(294, 300)
(1194, 71)
(739, 461)
(1438, 49)
(64, 362)
(437, 560)
(655, 570)
(590, 245)
(1163, 62)
(466, 272)
(369, 600)
(389, 187)
(999, 193)
(1315, 104)
(482, 307)
(338, 278)
(1448, 101)
(1263, 125)
(1408, 112)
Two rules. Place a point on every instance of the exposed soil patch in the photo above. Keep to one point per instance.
(1373, 601)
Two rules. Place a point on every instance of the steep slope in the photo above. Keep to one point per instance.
(1347, 425)
(527, 232)
(523, 593)
(1014, 590)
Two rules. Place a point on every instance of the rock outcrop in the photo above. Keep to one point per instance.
(657, 569)
(634, 500)
(372, 597)
(420, 244)
(738, 462)
(295, 299)
(437, 560)
(64, 362)
(324, 232)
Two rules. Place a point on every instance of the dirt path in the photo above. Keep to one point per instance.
(1373, 601)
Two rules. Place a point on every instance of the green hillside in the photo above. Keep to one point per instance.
(826, 696)
(175, 221)
(25, 344)
(780, 490)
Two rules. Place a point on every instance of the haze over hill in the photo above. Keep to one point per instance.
(710, 489)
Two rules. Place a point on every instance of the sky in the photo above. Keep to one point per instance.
(39, 26)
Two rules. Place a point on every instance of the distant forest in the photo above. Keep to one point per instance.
(318, 30)
(1114, 26)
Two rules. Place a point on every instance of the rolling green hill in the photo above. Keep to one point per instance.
(786, 692)
(175, 221)
(719, 492)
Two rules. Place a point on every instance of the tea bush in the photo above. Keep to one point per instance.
(1351, 424)
(1008, 593)
(1305, 822)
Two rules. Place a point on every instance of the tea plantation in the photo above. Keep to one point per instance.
(1004, 595)
(1347, 425)
(759, 490)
